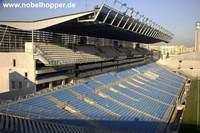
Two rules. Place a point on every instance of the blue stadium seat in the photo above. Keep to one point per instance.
(145, 105)
(107, 78)
(140, 107)
(152, 92)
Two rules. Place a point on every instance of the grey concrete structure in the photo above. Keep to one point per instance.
(42, 54)
(186, 64)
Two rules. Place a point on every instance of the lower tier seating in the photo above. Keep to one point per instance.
(135, 100)
(12, 124)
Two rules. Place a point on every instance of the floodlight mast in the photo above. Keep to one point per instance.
(114, 4)
(131, 16)
(133, 29)
(121, 6)
(164, 35)
(136, 13)
(145, 28)
(151, 30)
(149, 23)
(144, 23)
(141, 18)
(158, 31)
(124, 14)
(148, 28)
(104, 2)
(167, 34)
(152, 34)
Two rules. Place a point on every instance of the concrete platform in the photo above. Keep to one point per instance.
(186, 64)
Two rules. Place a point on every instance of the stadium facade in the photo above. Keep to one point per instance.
(103, 25)
(86, 72)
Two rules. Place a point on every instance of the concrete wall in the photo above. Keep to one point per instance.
(188, 67)
(8, 73)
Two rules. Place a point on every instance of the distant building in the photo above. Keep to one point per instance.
(170, 49)
(197, 37)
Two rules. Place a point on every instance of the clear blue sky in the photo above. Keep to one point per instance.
(178, 16)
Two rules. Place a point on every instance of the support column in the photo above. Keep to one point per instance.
(50, 85)
(63, 82)
(71, 81)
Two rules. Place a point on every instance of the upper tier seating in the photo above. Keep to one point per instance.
(56, 54)
(59, 55)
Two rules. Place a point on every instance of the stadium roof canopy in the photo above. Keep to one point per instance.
(102, 22)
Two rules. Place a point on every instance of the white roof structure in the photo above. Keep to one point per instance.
(102, 22)
(44, 23)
